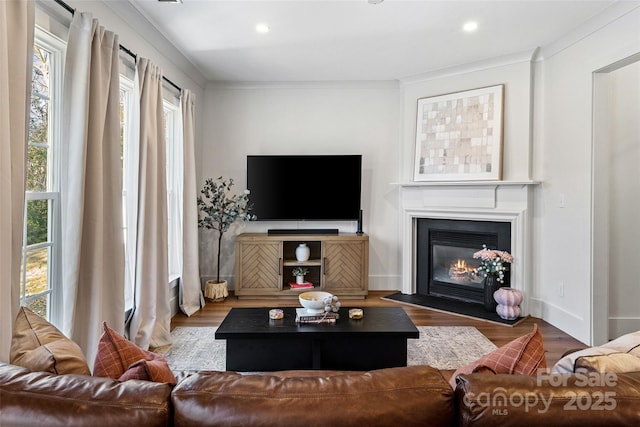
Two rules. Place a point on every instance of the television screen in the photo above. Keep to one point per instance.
(305, 187)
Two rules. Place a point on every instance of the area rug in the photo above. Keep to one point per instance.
(443, 347)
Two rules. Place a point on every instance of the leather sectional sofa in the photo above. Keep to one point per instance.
(407, 396)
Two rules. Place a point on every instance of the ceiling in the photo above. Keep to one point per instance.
(342, 40)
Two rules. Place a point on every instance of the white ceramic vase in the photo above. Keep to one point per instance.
(302, 252)
(299, 280)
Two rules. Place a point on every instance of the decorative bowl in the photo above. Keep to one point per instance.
(314, 301)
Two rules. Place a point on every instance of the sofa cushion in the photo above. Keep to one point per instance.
(558, 400)
(406, 396)
(614, 362)
(39, 346)
(629, 343)
(120, 359)
(524, 355)
(45, 399)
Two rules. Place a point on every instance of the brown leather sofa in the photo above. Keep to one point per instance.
(410, 396)
(46, 399)
(557, 400)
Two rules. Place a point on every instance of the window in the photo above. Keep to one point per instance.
(39, 282)
(126, 104)
(173, 130)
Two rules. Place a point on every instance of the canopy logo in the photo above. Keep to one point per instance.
(582, 391)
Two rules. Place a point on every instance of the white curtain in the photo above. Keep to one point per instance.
(151, 321)
(16, 55)
(191, 299)
(91, 186)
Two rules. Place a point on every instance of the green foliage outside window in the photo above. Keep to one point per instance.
(38, 150)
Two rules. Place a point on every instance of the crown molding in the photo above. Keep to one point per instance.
(615, 11)
(485, 64)
(134, 18)
(337, 84)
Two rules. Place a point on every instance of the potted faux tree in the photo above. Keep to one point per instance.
(218, 210)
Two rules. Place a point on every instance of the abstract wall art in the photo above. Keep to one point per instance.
(459, 136)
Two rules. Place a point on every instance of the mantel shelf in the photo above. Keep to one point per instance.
(463, 183)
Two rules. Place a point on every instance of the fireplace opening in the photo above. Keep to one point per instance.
(445, 266)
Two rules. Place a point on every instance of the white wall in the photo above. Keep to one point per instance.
(624, 208)
(563, 161)
(309, 118)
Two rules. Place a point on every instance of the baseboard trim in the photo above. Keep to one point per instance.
(570, 323)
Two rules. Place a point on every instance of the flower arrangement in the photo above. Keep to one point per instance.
(219, 209)
(299, 271)
(493, 262)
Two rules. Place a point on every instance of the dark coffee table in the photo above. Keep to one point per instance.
(256, 343)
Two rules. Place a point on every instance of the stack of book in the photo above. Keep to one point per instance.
(303, 285)
(305, 316)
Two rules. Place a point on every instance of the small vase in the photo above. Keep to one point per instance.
(491, 285)
(508, 300)
(508, 312)
(302, 252)
(299, 280)
(508, 296)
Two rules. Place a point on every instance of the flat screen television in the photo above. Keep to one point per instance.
(305, 187)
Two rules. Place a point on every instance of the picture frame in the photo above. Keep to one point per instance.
(459, 136)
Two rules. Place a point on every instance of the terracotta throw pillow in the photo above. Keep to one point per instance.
(122, 360)
(524, 356)
(39, 346)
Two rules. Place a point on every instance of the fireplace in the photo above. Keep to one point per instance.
(445, 266)
(505, 202)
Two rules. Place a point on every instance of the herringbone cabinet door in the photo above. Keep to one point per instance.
(344, 266)
(260, 268)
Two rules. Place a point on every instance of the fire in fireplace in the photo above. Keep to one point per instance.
(445, 265)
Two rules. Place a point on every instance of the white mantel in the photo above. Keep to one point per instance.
(502, 201)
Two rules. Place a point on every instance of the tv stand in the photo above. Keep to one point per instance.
(288, 231)
(338, 263)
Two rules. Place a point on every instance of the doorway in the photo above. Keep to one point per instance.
(616, 200)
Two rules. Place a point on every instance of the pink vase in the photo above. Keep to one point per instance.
(507, 296)
(508, 300)
(508, 312)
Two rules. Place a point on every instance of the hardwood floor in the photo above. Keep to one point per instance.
(556, 342)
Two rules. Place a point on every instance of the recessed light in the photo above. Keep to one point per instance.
(262, 28)
(470, 26)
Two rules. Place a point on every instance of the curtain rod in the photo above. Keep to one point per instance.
(72, 11)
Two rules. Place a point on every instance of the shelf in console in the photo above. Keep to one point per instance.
(308, 263)
(295, 291)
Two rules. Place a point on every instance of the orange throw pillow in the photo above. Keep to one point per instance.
(122, 360)
(524, 356)
(39, 346)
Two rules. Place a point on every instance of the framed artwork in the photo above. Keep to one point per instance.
(459, 136)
